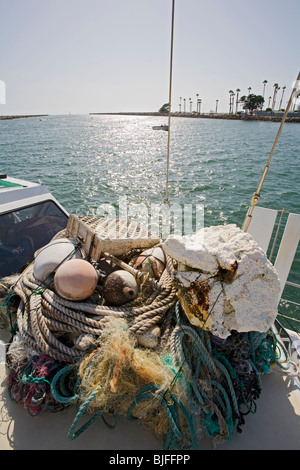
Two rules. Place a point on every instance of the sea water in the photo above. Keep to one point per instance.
(94, 162)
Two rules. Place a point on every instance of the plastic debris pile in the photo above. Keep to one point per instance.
(130, 346)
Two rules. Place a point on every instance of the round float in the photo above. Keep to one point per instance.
(75, 279)
(49, 257)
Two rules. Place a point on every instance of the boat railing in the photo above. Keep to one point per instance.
(278, 233)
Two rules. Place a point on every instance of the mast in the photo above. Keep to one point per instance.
(170, 96)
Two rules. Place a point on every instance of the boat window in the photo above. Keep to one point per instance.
(25, 230)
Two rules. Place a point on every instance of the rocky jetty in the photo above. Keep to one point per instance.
(292, 117)
(23, 116)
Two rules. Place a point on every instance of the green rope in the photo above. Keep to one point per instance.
(58, 383)
(29, 379)
(7, 301)
(9, 316)
(234, 375)
(171, 406)
(195, 350)
(72, 433)
(82, 411)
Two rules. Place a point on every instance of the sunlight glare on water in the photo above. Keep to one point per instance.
(89, 160)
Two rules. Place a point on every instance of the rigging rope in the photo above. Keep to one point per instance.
(256, 195)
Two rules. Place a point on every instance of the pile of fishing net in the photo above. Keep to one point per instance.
(181, 394)
(190, 386)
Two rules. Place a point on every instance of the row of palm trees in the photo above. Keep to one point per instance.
(185, 106)
(190, 103)
(270, 107)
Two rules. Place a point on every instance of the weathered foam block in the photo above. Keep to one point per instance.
(240, 285)
(191, 251)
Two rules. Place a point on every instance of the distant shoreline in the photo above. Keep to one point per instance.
(22, 116)
(235, 117)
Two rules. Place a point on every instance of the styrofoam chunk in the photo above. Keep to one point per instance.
(225, 280)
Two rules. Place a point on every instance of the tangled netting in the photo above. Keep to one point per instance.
(189, 386)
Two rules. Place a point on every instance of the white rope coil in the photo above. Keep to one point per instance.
(44, 317)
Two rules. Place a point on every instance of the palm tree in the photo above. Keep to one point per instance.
(180, 104)
(237, 99)
(231, 94)
(297, 95)
(249, 89)
(270, 97)
(276, 88)
(217, 101)
(264, 83)
(197, 94)
(184, 104)
(283, 90)
(264, 89)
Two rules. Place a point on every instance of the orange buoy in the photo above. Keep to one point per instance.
(75, 279)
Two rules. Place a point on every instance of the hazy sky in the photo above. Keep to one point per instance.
(82, 56)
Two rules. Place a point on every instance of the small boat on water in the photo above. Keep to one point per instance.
(162, 127)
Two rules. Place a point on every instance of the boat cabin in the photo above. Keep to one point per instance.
(29, 218)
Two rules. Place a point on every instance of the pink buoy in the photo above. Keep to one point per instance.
(75, 279)
(151, 261)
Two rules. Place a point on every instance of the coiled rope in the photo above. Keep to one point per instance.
(30, 383)
(42, 314)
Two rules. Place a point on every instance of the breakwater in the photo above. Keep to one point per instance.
(22, 116)
(291, 117)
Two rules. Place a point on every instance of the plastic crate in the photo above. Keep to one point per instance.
(106, 235)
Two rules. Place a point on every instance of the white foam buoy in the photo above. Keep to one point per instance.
(49, 257)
